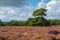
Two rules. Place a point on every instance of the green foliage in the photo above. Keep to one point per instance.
(39, 19)
(15, 23)
(38, 22)
(32, 22)
(55, 22)
(40, 12)
(0, 22)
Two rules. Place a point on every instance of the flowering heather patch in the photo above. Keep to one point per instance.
(29, 33)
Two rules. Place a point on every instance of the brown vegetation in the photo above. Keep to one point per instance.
(29, 33)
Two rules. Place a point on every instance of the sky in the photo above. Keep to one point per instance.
(23, 9)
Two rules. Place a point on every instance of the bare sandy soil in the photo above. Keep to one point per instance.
(28, 33)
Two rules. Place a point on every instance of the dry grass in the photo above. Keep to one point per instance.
(28, 33)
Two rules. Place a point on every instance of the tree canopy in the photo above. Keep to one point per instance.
(39, 19)
(40, 12)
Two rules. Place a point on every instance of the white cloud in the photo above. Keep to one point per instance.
(53, 7)
(41, 5)
(11, 13)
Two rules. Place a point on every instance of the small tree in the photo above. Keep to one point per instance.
(39, 19)
(39, 15)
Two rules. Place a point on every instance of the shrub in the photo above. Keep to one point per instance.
(53, 32)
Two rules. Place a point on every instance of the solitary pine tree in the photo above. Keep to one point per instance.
(40, 12)
(39, 15)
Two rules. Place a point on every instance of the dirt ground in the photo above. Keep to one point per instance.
(29, 33)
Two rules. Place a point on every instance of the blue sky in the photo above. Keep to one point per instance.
(35, 2)
(23, 9)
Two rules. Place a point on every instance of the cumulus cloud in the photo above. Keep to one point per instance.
(53, 7)
(41, 4)
(11, 13)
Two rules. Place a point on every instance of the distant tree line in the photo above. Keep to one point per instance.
(25, 23)
(55, 22)
(37, 20)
